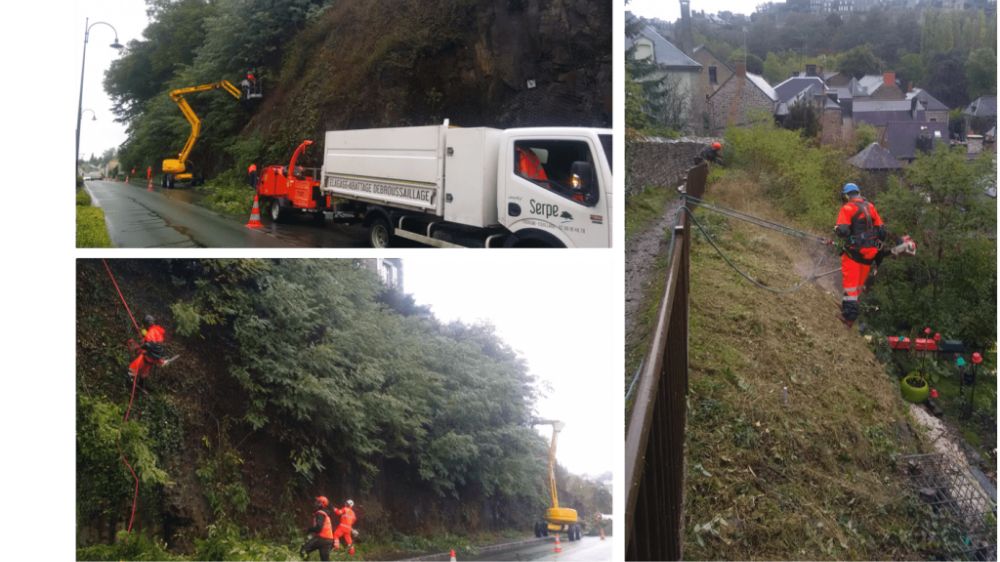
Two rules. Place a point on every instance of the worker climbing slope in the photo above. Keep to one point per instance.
(321, 529)
(863, 232)
(344, 529)
(150, 351)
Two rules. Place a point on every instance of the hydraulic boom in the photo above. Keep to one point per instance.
(175, 169)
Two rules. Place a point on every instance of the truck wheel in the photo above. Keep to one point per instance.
(277, 213)
(319, 218)
(538, 531)
(378, 233)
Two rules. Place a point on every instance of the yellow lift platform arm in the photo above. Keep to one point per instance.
(557, 517)
(176, 166)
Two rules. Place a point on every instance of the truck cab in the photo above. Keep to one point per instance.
(554, 187)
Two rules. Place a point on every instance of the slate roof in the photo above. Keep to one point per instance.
(929, 101)
(901, 136)
(792, 87)
(983, 106)
(879, 113)
(874, 157)
(664, 52)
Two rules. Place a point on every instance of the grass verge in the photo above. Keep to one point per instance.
(91, 230)
(642, 210)
(228, 194)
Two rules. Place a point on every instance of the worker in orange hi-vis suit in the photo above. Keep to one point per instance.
(321, 529)
(529, 166)
(150, 350)
(347, 519)
(862, 229)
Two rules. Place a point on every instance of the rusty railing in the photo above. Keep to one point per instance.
(654, 435)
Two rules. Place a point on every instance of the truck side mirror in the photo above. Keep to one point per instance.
(582, 179)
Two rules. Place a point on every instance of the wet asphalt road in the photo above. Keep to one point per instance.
(587, 549)
(168, 218)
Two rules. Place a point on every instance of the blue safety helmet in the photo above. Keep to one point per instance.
(851, 188)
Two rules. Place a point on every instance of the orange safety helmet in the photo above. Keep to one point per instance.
(322, 501)
(717, 145)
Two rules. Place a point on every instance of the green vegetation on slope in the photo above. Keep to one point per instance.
(335, 65)
(298, 378)
(91, 231)
(813, 477)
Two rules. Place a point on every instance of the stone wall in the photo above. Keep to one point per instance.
(656, 162)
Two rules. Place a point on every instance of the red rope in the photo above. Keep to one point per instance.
(135, 381)
(122, 297)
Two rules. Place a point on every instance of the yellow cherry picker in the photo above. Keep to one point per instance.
(176, 169)
(557, 519)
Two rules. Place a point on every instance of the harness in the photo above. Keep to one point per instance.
(863, 234)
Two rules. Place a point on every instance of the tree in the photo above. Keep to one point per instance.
(981, 73)
(859, 61)
(910, 69)
(947, 74)
(803, 116)
(951, 282)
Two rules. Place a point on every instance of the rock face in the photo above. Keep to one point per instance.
(498, 63)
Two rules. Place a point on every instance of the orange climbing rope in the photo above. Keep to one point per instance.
(135, 380)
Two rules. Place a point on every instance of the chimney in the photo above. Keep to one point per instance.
(889, 78)
(741, 69)
(686, 36)
(909, 86)
(810, 70)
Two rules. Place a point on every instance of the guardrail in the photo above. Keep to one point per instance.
(654, 435)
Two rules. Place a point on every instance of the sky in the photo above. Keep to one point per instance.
(129, 19)
(544, 307)
(670, 10)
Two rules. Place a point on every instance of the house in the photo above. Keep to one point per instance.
(810, 89)
(680, 73)
(934, 109)
(714, 73)
(879, 113)
(889, 89)
(905, 139)
(737, 99)
(980, 115)
(877, 164)
(877, 87)
(875, 158)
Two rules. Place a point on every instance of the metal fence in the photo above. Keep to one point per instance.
(963, 517)
(654, 435)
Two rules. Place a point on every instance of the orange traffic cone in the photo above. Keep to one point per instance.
(558, 547)
(452, 556)
(254, 221)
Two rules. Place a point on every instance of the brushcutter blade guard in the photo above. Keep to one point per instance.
(906, 247)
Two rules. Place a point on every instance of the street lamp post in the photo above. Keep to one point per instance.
(83, 65)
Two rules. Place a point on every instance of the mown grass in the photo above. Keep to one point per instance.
(91, 230)
(794, 428)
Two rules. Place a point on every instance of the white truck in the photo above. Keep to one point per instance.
(474, 187)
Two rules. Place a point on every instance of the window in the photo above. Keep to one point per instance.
(713, 77)
(561, 166)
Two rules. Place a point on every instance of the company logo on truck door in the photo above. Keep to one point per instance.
(363, 186)
(547, 210)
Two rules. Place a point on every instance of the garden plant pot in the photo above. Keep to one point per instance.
(914, 388)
